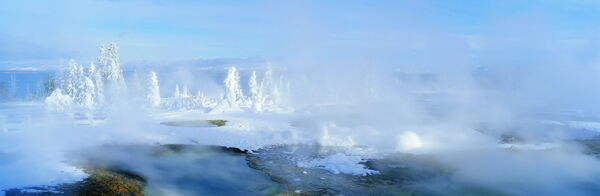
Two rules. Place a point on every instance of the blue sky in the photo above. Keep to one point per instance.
(41, 33)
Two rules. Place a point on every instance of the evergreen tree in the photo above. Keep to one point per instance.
(256, 93)
(233, 91)
(153, 95)
(114, 72)
(186, 92)
(102, 61)
(114, 83)
(69, 83)
(87, 93)
(95, 75)
(177, 94)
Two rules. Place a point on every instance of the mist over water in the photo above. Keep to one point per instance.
(501, 97)
(457, 88)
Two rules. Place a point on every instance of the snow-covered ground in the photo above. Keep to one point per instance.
(36, 141)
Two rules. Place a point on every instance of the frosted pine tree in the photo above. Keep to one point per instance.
(87, 93)
(96, 77)
(74, 83)
(269, 86)
(233, 91)
(80, 85)
(114, 82)
(87, 87)
(177, 93)
(68, 82)
(102, 61)
(91, 70)
(153, 95)
(186, 92)
(273, 95)
(114, 72)
(253, 84)
(256, 93)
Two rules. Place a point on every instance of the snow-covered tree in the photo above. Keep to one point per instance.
(256, 93)
(253, 84)
(70, 79)
(57, 101)
(92, 70)
(153, 95)
(270, 88)
(87, 93)
(177, 93)
(109, 68)
(113, 70)
(233, 91)
(95, 75)
(102, 61)
(185, 93)
(78, 85)
(274, 92)
(234, 97)
(88, 87)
